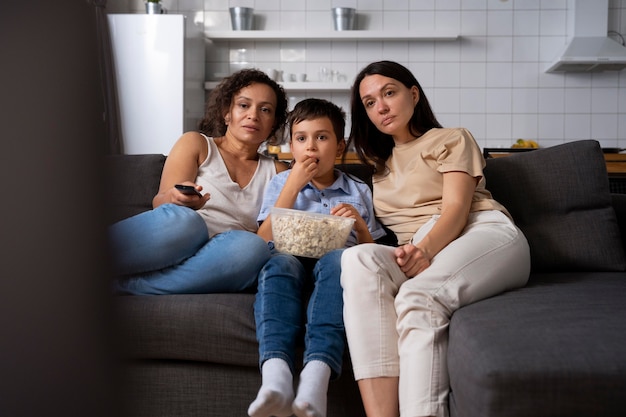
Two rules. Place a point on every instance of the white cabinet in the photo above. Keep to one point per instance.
(151, 103)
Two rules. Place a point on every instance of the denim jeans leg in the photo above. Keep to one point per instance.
(278, 308)
(156, 239)
(161, 253)
(229, 262)
(325, 334)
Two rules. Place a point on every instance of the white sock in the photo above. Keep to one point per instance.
(312, 390)
(276, 393)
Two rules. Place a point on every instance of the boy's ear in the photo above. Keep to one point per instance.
(341, 146)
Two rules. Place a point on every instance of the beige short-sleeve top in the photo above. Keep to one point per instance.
(410, 192)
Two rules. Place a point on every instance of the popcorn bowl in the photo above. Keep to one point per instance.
(310, 235)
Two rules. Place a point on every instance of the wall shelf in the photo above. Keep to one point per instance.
(330, 35)
(303, 86)
(327, 35)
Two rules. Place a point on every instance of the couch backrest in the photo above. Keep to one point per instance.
(560, 198)
(132, 182)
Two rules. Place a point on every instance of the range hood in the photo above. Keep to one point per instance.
(589, 48)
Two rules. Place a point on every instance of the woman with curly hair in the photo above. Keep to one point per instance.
(186, 243)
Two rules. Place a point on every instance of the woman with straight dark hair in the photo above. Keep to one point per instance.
(457, 245)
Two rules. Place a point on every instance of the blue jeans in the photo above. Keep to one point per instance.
(168, 251)
(280, 305)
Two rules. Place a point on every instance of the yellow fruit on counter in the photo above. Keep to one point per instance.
(273, 149)
(523, 143)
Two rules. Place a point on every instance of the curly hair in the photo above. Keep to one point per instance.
(220, 99)
(373, 146)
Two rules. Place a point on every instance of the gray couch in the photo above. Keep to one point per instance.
(552, 348)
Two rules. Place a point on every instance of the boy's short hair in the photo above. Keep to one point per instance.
(315, 108)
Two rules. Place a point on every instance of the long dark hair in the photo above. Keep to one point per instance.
(220, 99)
(372, 146)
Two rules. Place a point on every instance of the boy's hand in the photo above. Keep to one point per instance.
(303, 171)
(346, 210)
(360, 227)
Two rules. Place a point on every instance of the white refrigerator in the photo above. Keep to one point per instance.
(149, 60)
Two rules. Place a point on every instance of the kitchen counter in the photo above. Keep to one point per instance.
(615, 163)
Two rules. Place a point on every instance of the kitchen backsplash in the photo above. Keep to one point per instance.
(490, 80)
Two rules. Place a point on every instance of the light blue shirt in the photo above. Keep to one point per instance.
(344, 190)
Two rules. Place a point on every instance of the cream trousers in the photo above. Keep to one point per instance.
(398, 326)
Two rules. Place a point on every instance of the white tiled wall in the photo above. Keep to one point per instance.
(490, 80)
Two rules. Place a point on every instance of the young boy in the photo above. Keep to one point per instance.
(312, 184)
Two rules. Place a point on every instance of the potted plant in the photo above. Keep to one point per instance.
(153, 7)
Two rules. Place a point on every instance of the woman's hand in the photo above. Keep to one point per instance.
(360, 227)
(193, 201)
(411, 259)
(458, 189)
(181, 167)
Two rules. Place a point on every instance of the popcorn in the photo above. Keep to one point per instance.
(307, 234)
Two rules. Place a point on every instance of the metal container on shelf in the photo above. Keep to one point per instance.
(343, 18)
(241, 18)
(153, 8)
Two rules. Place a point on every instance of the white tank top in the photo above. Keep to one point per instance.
(230, 206)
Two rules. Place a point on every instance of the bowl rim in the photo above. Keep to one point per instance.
(303, 213)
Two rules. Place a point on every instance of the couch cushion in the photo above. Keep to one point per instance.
(216, 328)
(132, 182)
(559, 197)
(553, 348)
